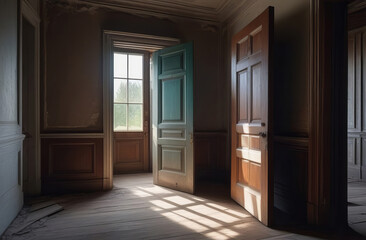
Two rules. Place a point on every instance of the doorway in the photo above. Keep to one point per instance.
(131, 111)
(127, 99)
(356, 126)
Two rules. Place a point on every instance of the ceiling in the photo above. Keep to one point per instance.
(209, 4)
(213, 11)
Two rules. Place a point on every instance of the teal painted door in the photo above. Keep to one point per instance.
(173, 163)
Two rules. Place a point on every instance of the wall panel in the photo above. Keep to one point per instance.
(209, 154)
(290, 182)
(74, 160)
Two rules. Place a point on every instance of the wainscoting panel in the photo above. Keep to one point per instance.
(290, 180)
(72, 164)
(209, 155)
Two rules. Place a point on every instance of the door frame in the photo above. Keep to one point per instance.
(29, 13)
(327, 162)
(126, 40)
(128, 135)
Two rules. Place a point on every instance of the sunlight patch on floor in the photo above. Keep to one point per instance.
(141, 193)
(216, 236)
(198, 199)
(179, 200)
(155, 190)
(185, 222)
(162, 204)
(229, 232)
(156, 209)
(203, 220)
(213, 213)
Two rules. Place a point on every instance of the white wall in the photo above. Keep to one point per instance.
(11, 196)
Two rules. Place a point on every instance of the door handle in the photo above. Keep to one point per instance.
(262, 134)
(191, 136)
(27, 134)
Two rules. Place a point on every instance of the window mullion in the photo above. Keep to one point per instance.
(127, 94)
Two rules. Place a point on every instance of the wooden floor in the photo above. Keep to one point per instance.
(357, 206)
(137, 209)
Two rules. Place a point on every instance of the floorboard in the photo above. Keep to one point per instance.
(357, 206)
(137, 209)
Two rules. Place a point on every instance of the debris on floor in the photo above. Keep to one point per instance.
(30, 218)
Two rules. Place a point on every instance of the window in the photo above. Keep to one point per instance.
(128, 92)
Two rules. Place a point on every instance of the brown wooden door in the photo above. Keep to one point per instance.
(250, 125)
(131, 112)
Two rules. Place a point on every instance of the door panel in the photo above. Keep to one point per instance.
(173, 118)
(250, 168)
(131, 111)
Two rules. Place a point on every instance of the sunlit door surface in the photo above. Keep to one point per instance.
(130, 111)
(250, 125)
(173, 118)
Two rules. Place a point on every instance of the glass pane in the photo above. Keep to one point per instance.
(135, 91)
(120, 65)
(120, 117)
(120, 90)
(135, 66)
(135, 117)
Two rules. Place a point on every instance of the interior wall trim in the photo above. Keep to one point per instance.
(29, 13)
(162, 10)
(356, 6)
(73, 135)
(239, 12)
(139, 41)
(110, 40)
(172, 10)
(327, 162)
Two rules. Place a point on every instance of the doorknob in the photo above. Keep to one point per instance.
(191, 135)
(262, 134)
(27, 134)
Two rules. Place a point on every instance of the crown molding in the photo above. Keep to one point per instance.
(167, 9)
(159, 9)
(237, 12)
(356, 6)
